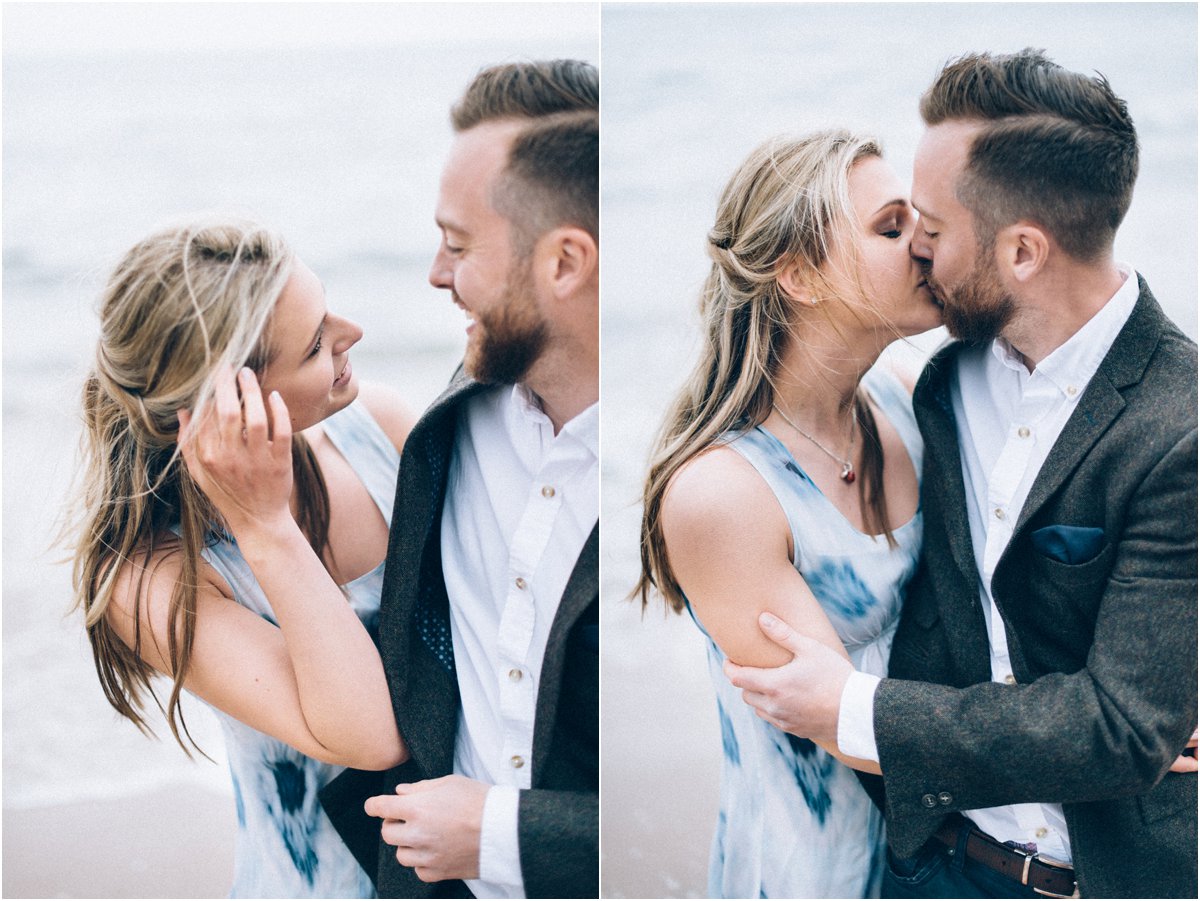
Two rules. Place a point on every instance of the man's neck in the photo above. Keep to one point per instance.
(1065, 300)
(564, 394)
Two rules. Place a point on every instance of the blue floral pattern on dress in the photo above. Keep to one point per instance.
(794, 822)
(286, 847)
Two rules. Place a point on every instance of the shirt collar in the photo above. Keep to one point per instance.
(1071, 365)
(526, 407)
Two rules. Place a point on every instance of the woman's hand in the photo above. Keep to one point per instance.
(239, 457)
(1187, 763)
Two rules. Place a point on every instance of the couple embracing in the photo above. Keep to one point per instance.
(395, 622)
(979, 594)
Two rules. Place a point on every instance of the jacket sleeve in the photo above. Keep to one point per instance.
(1110, 729)
(559, 834)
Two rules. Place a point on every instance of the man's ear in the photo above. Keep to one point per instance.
(567, 259)
(1022, 250)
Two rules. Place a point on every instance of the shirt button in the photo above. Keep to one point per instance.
(520, 583)
(1010, 679)
(1072, 390)
(1023, 431)
(999, 511)
(1042, 832)
(928, 801)
(547, 491)
(944, 798)
(517, 761)
(515, 675)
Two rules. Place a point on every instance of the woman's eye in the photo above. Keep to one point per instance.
(892, 233)
(316, 348)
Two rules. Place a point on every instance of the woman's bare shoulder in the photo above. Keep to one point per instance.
(389, 409)
(145, 583)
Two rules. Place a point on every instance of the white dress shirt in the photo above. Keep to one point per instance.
(1008, 419)
(520, 503)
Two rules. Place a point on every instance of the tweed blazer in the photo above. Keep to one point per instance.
(1103, 649)
(558, 817)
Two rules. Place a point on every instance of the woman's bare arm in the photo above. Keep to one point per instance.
(728, 542)
(320, 656)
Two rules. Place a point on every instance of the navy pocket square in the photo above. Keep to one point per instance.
(1068, 544)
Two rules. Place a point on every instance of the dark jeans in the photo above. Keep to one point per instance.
(937, 873)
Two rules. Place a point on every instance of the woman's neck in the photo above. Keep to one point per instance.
(818, 377)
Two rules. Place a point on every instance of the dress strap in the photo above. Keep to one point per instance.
(369, 451)
(895, 400)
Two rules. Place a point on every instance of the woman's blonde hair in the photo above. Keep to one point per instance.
(181, 306)
(784, 205)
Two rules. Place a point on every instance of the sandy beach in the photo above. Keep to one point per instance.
(115, 849)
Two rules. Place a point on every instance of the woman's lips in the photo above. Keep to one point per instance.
(344, 375)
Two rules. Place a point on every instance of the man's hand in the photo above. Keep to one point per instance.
(434, 826)
(1187, 763)
(801, 697)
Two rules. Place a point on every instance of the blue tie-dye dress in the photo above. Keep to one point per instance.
(794, 822)
(286, 847)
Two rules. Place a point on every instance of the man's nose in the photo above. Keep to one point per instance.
(919, 247)
(440, 273)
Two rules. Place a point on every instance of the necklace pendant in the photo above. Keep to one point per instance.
(848, 473)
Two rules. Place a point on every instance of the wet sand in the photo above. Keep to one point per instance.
(115, 849)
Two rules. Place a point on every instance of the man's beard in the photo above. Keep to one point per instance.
(508, 339)
(977, 309)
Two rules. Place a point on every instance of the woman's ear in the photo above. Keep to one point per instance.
(792, 282)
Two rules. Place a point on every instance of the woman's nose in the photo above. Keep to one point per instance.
(348, 334)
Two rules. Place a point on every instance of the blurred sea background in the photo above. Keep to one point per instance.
(689, 90)
(329, 121)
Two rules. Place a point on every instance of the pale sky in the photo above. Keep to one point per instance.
(77, 28)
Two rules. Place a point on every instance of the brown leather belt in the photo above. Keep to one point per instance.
(1043, 875)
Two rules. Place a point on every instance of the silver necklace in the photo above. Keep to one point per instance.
(847, 474)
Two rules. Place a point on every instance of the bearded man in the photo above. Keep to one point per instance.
(1043, 676)
(488, 625)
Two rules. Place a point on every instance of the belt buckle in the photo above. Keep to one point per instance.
(1050, 862)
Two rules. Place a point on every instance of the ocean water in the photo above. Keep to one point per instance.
(341, 149)
(689, 90)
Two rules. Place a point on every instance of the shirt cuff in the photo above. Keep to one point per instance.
(499, 852)
(856, 717)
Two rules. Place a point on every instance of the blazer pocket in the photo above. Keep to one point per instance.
(1072, 545)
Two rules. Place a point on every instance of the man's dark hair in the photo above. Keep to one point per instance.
(528, 90)
(552, 177)
(1056, 147)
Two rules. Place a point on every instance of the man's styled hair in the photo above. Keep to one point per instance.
(528, 90)
(553, 173)
(1056, 147)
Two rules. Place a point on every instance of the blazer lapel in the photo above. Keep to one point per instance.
(580, 591)
(942, 477)
(414, 620)
(1101, 403)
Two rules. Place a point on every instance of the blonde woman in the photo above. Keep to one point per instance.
(786, 478)
(281, 649)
